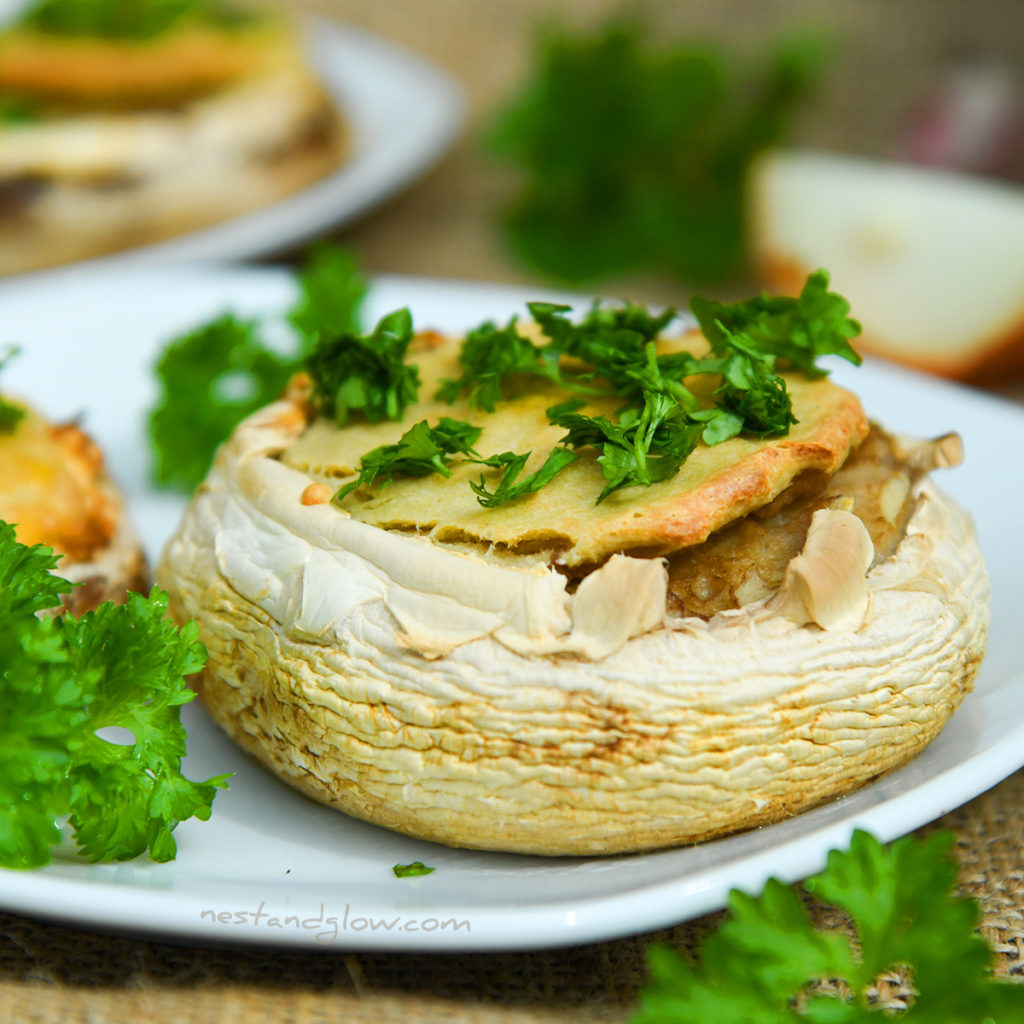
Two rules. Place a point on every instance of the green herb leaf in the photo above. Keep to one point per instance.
(766, 961)
(755, 335)
(795, 331)
(11, 413)
(367, 374)
(214, 376)
(635, 155)
(333, 290)
(645, 446)
(488, 356)
(210, 380)
(412, 870)
(420, 451)
(129, 19)
(613, 339)
(27, 582)
(62, 680)
(510, 486)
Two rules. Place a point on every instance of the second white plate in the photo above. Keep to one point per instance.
(402, 112)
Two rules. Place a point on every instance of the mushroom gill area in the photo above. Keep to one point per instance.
(746, 561)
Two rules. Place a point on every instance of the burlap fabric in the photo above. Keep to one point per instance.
(890, 57)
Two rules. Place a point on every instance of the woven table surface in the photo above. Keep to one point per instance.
(443, 226)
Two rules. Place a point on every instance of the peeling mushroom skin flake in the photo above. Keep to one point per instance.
(501, 704)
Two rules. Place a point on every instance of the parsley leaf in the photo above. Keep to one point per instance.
(129, 19)
(333, 291)
(488, 355)
(61, 680)
(766, 962)
(510, 486)
(27, 582)
(211, 378)
(646, 445)
(795, 330)
(11, 414)
(611, 351)
(636, 155)
(366, 373)
(420, 451)
(412, 870)
(612, 339)
(752, 336)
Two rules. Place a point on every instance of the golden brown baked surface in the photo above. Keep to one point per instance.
(187, 60)
(55, 490)
(715, 486)
(52, 487)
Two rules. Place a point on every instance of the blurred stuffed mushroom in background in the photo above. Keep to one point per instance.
(126, 123)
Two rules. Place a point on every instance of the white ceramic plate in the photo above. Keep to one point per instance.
(402, 112)
(325, 879)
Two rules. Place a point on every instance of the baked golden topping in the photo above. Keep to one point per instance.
(98, 52)
(716, 485)
(53, 488)
(169, 69)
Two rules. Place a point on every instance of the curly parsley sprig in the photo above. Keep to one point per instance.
(62, 681)
(768, 962)
(636, 153)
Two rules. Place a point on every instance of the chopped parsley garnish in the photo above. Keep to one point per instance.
(491, 354)
(637, 155)
(129, 19)
(510, 486)
(412, 870)
(218, 374)
(63, 680)
(11, 414)
(645, 446)
(795, 330)
(214, 376)
(420, 451)
(611, 352)
(768, 962)
(365, 373)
